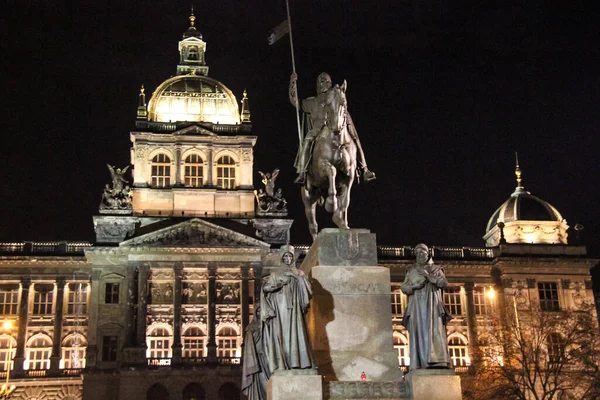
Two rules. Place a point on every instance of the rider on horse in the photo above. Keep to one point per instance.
(314, 107)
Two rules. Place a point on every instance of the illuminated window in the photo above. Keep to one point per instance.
(193, 53)
(9, 297)
(77, 299)
(556, 348)
(193, 171)
(159, 343)
(548, 292)
(42, 299)
(452, 300)
(38, 353)
(227, 343)
(5, 346)
(111, 293)
(401, 346)
(481, 301)
(161, 171)
(459, 352)
(73, 352)
(397, 301)
(109, 348)
(193, 343)
(226, 173)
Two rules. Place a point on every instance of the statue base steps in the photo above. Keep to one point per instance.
(295, 385)
(358, 390)
(433, 384)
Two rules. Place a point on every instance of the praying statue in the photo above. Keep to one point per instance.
(284, 303)
(255, 370)
(426, 316)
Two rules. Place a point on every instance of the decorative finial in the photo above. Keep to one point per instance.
(518, 171)
(192, 17)
(142, 112)
(245, 114)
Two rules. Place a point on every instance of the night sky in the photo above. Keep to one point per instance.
(441, 100)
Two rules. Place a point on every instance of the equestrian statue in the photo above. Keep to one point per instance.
(327, 158)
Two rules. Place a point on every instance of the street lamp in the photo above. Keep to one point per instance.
(6, 390)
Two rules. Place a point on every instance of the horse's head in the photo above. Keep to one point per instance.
(336, 106)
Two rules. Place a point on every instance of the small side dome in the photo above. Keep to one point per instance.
(193, 98)
(525, 219)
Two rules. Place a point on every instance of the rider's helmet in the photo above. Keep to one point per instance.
(323, 82)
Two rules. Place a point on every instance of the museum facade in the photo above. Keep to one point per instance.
(157, 306)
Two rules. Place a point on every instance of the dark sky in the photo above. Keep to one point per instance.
(441, 100)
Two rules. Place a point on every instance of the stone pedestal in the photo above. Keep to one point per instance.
(433, 384)
(295, 385)
(349, 320)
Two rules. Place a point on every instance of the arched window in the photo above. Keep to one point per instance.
(459, 352)
(7, 351)
(226, 172)
(401, 346)
(159, 343)
(157, 392)
(73, 352)
(193, 342)
(161, 171)
(556, 348)
(193, 171)
(38, 351)
(229, 391)
(227, 344)
(194, 391)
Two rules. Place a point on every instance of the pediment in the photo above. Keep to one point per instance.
(194, 233)
(194, 130)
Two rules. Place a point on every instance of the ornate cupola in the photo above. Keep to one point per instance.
(192, 149)
(525, 218)
(191, 51)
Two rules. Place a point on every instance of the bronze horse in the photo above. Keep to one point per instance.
(332, 167)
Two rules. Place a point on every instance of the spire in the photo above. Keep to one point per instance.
(518, 171)
(245, 114)
(192, 31)
(142, 111)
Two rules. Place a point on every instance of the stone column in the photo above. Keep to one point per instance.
(209, 173)
(22, 333)
(95, 296)
(257, 271)
(142, 306)
(178, 272)
(58, 319)
(471, 322)
(212, 300)
(245, 300)
(130, 309)
(178, 163)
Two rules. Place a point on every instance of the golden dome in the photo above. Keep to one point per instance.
(193, 98)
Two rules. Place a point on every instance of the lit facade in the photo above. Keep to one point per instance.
(157, 306)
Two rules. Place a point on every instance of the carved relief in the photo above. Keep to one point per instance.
(141, 150)
(228, 292)
(246, 155)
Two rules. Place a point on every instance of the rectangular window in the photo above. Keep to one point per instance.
(481, 301)
(227, 347)
(397, 306)
(548, 292)
(9, 297)
(111, 294)
(77, 299)
(42, 302)
(193, 347)
(452, 300)
(109, 348)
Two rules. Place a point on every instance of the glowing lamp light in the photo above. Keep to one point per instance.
(7, 325)
(491, 294)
